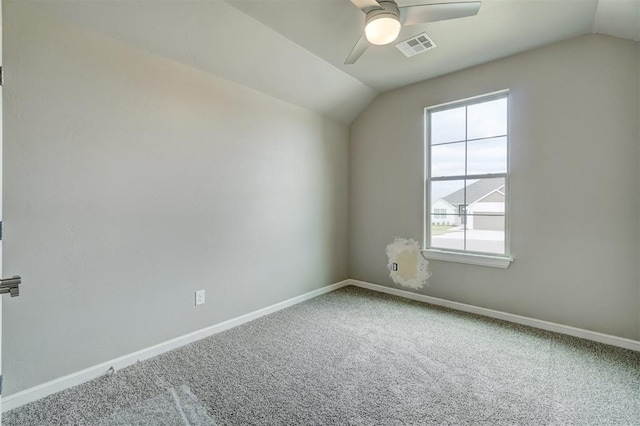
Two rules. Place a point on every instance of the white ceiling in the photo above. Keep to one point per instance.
(619, 18)
(295, 49)
(219, 39)
(330, 28)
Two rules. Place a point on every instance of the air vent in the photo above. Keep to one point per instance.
(418, 44)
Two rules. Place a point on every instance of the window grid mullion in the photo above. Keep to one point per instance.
(466, 171)
(470, 177)
(470, 140)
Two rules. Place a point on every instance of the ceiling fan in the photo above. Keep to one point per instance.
(384, 19)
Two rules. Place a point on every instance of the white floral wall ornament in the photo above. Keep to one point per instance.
(407, 266)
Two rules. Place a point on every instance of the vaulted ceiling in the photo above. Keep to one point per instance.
(295, 49)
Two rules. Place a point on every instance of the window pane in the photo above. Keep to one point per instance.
(486, 233)
(446, 195)
(487, 156)
(445, 236)
(487, 119)
(485, 220)
(485, 196)
(447, 160)
(446, 230)
(447, 125)
(444, 221)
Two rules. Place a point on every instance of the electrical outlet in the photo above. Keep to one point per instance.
(199, 297)
(394, 266)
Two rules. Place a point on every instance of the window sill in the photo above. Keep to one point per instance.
(468, 258)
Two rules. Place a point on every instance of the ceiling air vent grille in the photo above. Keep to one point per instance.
(418, 44)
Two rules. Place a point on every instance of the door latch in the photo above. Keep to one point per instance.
(11, 286)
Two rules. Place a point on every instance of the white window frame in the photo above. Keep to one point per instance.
(465, 256)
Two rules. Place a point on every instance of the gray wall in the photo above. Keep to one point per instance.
(131, 181)
(574, 182)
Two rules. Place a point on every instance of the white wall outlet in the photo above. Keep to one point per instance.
(199, 297)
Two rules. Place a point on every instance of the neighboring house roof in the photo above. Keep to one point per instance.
(481, 199)
(475, 191)
(445, 203)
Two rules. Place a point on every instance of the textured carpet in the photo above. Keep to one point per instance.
(175, 406)
(363, 358)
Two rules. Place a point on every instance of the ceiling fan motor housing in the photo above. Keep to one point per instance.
(388, 12)
(387, 8)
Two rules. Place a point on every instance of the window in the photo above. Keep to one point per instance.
(467, 171)
(439, 213)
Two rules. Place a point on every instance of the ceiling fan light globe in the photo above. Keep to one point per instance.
(382, 29)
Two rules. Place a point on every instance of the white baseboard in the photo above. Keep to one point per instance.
(74, 379)
(518, 319)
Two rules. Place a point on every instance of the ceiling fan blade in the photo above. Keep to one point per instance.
(357, 50)
(366, 5)
(423, 13)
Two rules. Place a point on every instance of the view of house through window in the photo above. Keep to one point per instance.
(467, 172)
